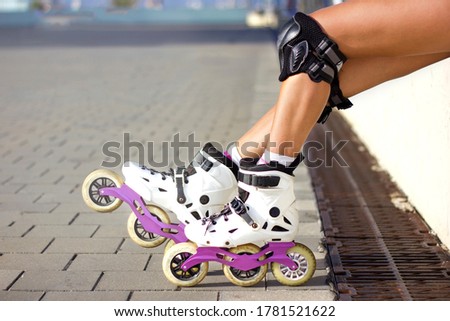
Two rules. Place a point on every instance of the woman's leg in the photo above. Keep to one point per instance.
(357, 76)
(379, 28)
(383, 40)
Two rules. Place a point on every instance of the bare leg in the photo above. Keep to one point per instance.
(380, 28)
(357, 76)
(380, 49)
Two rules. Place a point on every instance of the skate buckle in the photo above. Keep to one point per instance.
(179, 181)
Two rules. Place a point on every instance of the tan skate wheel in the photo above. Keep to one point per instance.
(173, 260)
(92, 185)
(142, 237)
(169, 244)
(306, 266)
(245, 278)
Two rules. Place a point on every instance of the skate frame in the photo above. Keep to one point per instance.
(271, 252)
(149, 221)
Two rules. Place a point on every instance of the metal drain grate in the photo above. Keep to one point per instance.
(378, 250)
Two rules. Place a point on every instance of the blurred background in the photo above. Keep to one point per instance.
(254, 13)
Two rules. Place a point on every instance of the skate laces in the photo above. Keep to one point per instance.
(236, 206)
(164, 174)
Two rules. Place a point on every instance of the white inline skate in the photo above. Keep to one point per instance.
(264, 214)
(191, 193)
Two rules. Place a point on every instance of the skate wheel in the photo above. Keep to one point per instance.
(306, 266)
(249, 277)
(90, 190)
(169, 244)
(173, 260)
(142, 237)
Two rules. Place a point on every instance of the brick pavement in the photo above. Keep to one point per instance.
(63, 94)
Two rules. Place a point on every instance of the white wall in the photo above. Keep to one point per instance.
(405, 123)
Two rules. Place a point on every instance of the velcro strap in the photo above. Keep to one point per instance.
(203, 162)
(179, 182)
(321, 71)
(329, 50)
(240, 209)
(259, 181)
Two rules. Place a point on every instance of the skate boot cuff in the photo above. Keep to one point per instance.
(201, 160)
(251, 165)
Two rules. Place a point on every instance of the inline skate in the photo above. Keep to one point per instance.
(263, 215)
(191, 193)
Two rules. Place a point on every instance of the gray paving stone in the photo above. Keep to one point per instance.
(306, 205)
(11, 188)
(76, 207)
(45, 218)
(111, 231)
(29, 262)
(308, 216)
(109, 262)
(15, 230)
(8, 217)
(279, 295)
(56, 189)
(57, 280)
(130, 247)
(7, 277)
(24, 245)
(309, 229)
(84, 245)
(21, 295)
(29, 207)
(175, 296)
(63, 231)
(119, 217)
(86, 296)
(134, 281)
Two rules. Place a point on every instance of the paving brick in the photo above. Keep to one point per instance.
(29, 207)
(11, 188)
(175, 296)
(63, 231)
(57, 281)
(278, 295)
(29, 262)
(7, 278)
(6, 218)
(24, 245)
(21, 295)
(112, 231)
(119, 217)
(86, 296)
(306, 205)
(46, 218)
(309, 229)
(134, 281)
(76, 207)
(129, 246)
(84, 245)
(109, 262)
(15, 230)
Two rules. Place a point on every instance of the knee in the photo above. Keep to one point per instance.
(304, 47)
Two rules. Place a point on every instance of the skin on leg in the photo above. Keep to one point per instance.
(356, 76)
(380, 28)
(388, 43)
